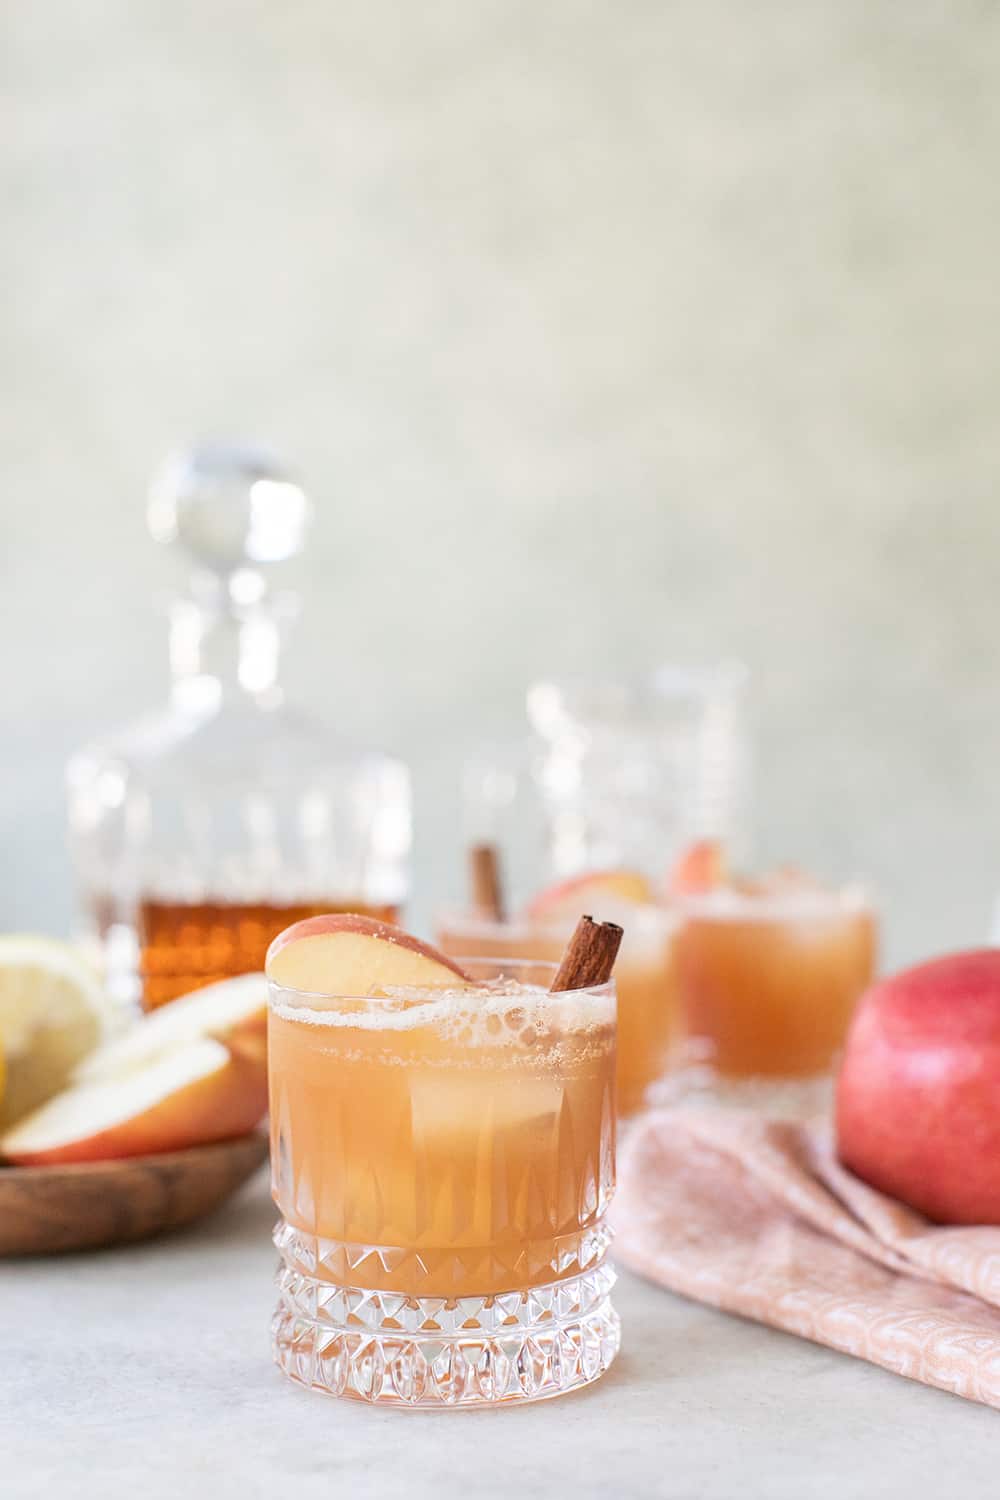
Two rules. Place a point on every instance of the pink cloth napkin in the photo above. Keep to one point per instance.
(757, 1217)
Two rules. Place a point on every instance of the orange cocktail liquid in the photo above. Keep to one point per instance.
(188, 944)
(449, 1147)
(649, 1020)
(768, 991)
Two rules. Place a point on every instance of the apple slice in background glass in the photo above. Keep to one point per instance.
(566, 899)
(702, 867)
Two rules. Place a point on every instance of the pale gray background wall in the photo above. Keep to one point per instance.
(604, 334)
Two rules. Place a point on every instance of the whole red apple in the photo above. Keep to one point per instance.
(918, 1097)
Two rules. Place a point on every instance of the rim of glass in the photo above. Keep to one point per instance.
(850, 897)
(426, 994)
(646, 913)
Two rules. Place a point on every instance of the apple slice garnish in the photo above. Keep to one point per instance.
(594, 888)
(701, 868)
(188, 1095)
(350, 955)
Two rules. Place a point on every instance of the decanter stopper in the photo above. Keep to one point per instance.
(231, 506)
(232, 509)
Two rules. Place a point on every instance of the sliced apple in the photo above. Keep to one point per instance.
(568, 898)
(195, 1071)
(233, 1011)
(701, 868)
(351, 955)
(190, 1094)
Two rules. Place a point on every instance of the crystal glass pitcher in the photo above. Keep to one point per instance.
(200, 831)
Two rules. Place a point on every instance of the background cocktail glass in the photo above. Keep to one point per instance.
(649, 1019)
(768, 980)
(443, 1162)
(617, 774)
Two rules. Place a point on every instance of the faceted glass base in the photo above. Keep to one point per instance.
(431, 1351)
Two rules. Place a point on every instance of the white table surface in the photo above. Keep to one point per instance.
(145, 1373)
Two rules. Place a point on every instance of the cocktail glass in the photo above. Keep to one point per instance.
(443, 1161)
(768, 979)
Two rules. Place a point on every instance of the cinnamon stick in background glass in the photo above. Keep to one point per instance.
(487, 883)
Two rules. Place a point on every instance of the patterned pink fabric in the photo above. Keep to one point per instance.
(757, 1217)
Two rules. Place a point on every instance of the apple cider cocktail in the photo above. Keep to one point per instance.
(443, 1161)
(769, 973)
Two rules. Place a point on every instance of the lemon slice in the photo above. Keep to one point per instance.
(53, 1011)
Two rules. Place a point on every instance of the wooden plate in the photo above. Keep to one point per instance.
(93, 1204)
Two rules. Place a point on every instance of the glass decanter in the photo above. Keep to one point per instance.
(200, 831)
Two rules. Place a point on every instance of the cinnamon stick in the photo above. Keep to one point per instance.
(487, 886)
(590, 956)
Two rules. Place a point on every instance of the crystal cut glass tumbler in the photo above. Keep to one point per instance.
(443, 1162)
